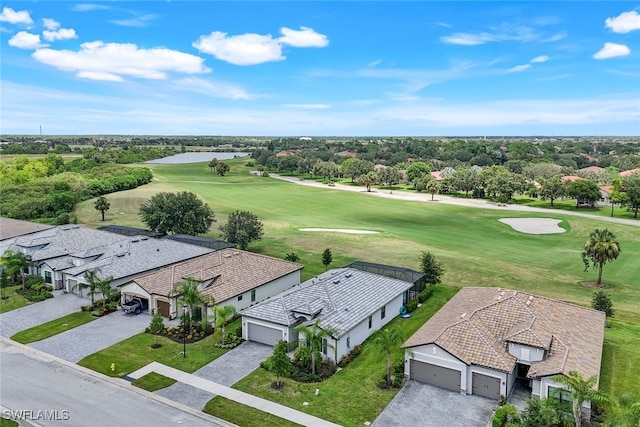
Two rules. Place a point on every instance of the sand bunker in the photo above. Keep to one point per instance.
(534, 225)
(339, 230)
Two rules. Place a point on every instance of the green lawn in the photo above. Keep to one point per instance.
(570, 205)
(135, 352)
(5, 422)
(13, 300)
(350, 397)
(53, 327)
(242, 415)
(153, 381)
(620, 359)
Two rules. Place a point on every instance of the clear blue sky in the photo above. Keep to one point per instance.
(300, 68)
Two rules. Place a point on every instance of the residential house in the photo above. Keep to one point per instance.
(350, 303)
(10, 227)
(484, 339)
(630, 172)
(229, 276)
(63, 254)
(605, 193)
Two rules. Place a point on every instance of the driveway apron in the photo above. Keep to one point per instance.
(77, 343)
(38, 313)
(226, 370)
(425, 405)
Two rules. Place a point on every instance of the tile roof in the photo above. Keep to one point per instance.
(630, 172)
(341, 298)
(10, 227)
(224, 273)
(477, 324)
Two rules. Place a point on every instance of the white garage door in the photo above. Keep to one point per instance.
(264, 334)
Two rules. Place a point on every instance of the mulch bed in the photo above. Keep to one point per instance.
(593, 285)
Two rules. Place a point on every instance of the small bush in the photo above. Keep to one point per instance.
(398, 368)
(397, 381)
(86, 308)
(504, 415)
(350, 356)
(425, 294)
(411, 305)
(239, 332)
(302, 358)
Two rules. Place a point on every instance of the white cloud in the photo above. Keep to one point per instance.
(624, 23)
(540, 59)
(518, 68)
(50, 24)
(139, 21)
(245, 49)
(88, 7)
(98, 60)
(11, 16)
(612, 50)
(214, 89)
(308, 106)
(467, 39)
(25, 40)
(306, 37)
(61, 34)
(503, 32)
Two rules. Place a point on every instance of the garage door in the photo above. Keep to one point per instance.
(264, 334)
(163, 308)
(435, 375)
(485, 385)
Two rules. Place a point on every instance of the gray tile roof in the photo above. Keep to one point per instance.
(344, 297)
(75, 249)
(477, 323)
(10, 227)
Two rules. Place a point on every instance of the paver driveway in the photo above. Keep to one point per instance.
(424, 405)
(38, 313)
(226, 370)
(77, 343)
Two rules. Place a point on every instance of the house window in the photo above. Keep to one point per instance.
(348, 342)
(370, 321)
(253, 295)
(560, 394)
(524, 354)
(239, 297)
(47, 277)
(383, 312)
(324, 346)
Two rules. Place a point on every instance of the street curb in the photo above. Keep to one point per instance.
(117, 382)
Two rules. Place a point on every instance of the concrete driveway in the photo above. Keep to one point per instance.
(425, 405)
(226, 370)
(41, 312)
(77, 343)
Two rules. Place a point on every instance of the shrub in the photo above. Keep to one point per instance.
(350, 356)
(411, 306)
(397, 381)
(425, 294)
(504, 414)
(302, 358)
(239, 332)
(398, 368)
(86, 308)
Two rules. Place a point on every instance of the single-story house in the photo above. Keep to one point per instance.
(630, 172)
(484, 339)
(64, 253)
(605, 193)
(230, 276)
(351, 303)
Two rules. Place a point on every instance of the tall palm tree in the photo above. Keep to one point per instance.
(581, 389)
(191, 295)
(387, 340)
(102, 205)
(16, 263)
(93, 283)
(313, 337)
(223, 315)
(602, 247)
(106, 290)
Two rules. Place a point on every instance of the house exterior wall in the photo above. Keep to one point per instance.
(511, 379)
(262, 292)
(546, 382)
(534, 354)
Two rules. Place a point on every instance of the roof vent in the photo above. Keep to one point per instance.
(463, 315)
(135, 240)
(336, 281)
(348, 275)
(144, 238)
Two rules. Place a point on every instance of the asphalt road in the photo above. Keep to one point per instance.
(47, 387)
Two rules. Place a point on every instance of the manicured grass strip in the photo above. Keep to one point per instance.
(5, 422)
(135, 352)
(243, 415)
(620, 359)
(13, 300)
(153, 381)
(350, 397)
(53, 327)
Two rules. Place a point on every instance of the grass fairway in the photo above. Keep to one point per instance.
(13, 300)
(53, 327)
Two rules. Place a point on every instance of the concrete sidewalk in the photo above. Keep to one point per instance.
(238, 396)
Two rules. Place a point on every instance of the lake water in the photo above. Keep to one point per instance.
(201, 156)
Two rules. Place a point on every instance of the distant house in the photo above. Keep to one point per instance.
(437, 175)
(567, 179)
(593, 169)
(285, 153)
(350, 154)
(63, 254)
(485, 339)
(605, 193)
(230, 276)
(351, 303)
(630, 172)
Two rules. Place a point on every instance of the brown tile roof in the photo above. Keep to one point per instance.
(630, 172)
(228, 272)
(477, 324)
(570, 178)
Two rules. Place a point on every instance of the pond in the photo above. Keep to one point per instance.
(201, 156)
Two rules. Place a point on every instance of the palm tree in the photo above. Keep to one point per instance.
(106, 290)
(223, 315)
(387, 340)
(314, 336)
(191, 295)
(433, 187)
(93, 283)
(213, 164)
(16, 263)
(102, 205)
(602, 247)
(581, 389)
